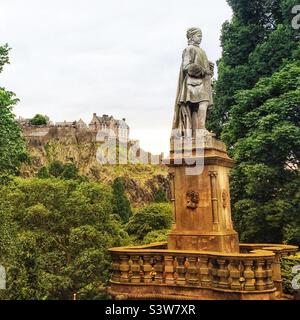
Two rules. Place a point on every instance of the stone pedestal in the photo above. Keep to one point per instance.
(201, 197)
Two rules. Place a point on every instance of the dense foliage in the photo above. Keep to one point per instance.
(121, 204)
(54, 238)
(150, 218)
(57, 169)
(257, 114)
(12, 146)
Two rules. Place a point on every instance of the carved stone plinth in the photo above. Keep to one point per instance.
(201, 197)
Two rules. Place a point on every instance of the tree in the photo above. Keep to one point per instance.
(12, 145)
(257, 114)
(70, 171)
(43, 173)
(255, 43)
(121, 204)
(60, 232)
(265, 130)
(150, 218)
(38, 120)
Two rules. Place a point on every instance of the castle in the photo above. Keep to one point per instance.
(100, 129)
(39, 135)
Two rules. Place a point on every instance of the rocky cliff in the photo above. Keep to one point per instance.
(141, 180)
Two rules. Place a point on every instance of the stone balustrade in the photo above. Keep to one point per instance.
(159, 272)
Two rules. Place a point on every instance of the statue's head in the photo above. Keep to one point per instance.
(194, 36)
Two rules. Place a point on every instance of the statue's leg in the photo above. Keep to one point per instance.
(202, 111)
(185, 119)
(194, 107)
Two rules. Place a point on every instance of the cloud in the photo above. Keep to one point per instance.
(119, 57)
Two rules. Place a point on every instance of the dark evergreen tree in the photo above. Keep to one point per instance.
(121, 204)
(256, 113)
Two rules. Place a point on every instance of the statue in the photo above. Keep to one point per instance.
(194, 93)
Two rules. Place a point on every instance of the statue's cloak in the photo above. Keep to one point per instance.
(191, 89)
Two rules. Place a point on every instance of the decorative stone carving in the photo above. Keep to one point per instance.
(225, 197)
(192, 200)
(214, 198)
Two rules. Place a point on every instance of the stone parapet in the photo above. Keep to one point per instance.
(154, 272)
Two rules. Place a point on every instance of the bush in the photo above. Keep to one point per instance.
(152, 217)
(38, 120)
(43, 173)
(156, 236)
(70, 171)
(56, 168)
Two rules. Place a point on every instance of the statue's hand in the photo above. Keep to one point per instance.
(195, 71)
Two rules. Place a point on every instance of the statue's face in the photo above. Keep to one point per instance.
(197, 38)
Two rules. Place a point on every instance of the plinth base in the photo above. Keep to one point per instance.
(220, 242)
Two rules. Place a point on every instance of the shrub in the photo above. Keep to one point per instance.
(150, 218)
(38, 120)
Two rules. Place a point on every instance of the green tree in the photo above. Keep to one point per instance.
(43, 173)
(255, 43)
(121, 204)
(12, 145)
(265, 130)
(38, 120)
(59, 231)
(256, 113)
(150, 218)
(70, 171)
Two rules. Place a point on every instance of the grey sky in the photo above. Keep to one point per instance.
(116, 57)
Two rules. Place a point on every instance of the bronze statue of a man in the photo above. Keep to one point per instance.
(194, 93)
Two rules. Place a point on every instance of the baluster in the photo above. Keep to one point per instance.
(249, 275)
(147, 268)
(260, 275)
(135, 269)
(192, 272)
(235, 275)
(180, 269)
(204, 273)
(214, 273)
(116, 268)
(124, 268)
(269, 274)
(223, 273)
(158, 269)
(169, 270)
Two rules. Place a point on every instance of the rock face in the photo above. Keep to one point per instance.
(77, 143)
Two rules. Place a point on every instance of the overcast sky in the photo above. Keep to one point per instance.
(117, 57)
